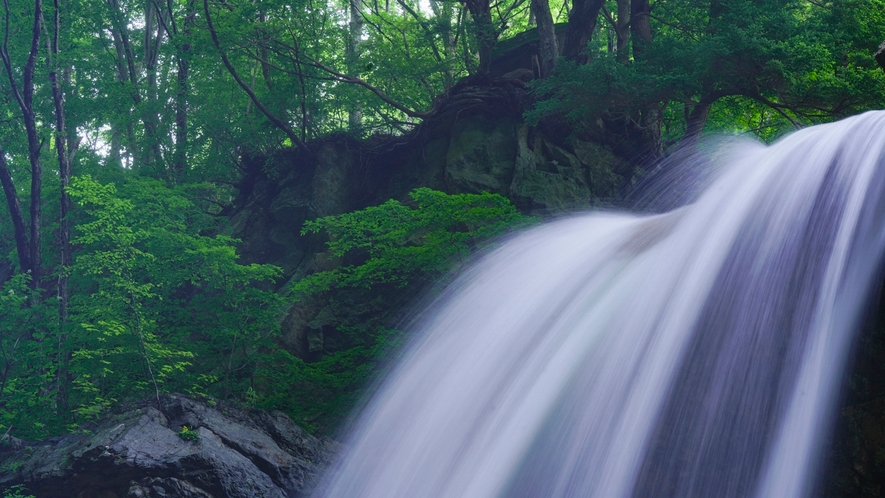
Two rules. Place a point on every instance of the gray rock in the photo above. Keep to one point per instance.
(138, 453)
(157, 487)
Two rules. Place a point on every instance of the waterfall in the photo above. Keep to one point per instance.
(694, 353)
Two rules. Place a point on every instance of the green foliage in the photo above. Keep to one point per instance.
(399, 244)
(582, 93)
(321, 395)
(156, 304)
(17, 491)
(766, 66)
(27, 348)
(382, 252)
(160, 296)
(187, 434)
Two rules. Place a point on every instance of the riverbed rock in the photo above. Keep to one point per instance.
(139, 452)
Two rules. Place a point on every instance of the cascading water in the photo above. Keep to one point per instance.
(696, 353)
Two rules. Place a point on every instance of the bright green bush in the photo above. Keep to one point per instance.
(404, 244)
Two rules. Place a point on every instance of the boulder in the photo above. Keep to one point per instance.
(140, 452)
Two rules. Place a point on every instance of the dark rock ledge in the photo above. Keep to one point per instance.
(139, 453)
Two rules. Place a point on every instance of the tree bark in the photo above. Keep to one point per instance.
(547, 48)
(623, 47)
(24, 97)
(15, 213)
(351, 55)
(182, 93)
(486, 35)
(640, 24)
(64, 231)
(650, 118)
(581, 24)
(696, 118)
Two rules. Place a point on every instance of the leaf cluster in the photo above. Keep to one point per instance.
(401, 244)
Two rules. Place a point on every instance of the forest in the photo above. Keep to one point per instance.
(127, 125)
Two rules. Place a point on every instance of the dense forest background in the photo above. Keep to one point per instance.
(129, 129)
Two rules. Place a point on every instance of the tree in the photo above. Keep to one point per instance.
(581, 25)
(24, 97)
(547, 36)
(689, 59)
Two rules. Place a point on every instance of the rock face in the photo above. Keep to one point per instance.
(139, 453)
(476, 142)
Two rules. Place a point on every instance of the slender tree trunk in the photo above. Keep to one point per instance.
(581, 24)
(623, 47)
(442, 10)
(486, 35)
(24, 97)
(546, 34)
(640, 24)
(696, 117)
(153, 38)
(64, 231)
(117, 134)
(352, 55)
(34, 146)
(15, 213)
(182, 94)
(650, 119)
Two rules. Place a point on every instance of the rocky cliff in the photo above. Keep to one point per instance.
(477, 141)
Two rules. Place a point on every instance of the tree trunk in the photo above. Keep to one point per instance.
(15, 213)
(623, 47)
(352, 55)
(116, 157)
(486, 35)
(547, 36)
(64, 231)
(581, 24)
(24, 97)
(696, 118)
(181, 95)
(640, 23)
(153, 39)
(650, 118)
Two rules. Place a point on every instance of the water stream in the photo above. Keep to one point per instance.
(695, 353)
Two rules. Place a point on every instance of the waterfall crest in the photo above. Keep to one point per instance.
(695, 353)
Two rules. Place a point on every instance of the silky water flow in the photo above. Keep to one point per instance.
(696, 353)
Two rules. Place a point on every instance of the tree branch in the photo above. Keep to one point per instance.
(233, 72)
(779, 108)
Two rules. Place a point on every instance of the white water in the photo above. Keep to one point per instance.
(697, 353)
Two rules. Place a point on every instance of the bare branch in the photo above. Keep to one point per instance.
(357, 81)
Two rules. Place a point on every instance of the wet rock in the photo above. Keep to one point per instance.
(139, 453)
